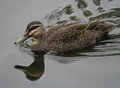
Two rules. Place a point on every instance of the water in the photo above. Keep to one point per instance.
(97, 67)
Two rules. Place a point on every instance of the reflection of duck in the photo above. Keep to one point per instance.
(66, 37)
(35, 70)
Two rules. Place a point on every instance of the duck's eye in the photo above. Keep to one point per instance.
(34, 27)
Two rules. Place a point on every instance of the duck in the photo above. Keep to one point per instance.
(65, 38)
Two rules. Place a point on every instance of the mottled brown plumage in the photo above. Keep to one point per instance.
(68, 37)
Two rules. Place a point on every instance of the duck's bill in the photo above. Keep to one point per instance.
(22, 39)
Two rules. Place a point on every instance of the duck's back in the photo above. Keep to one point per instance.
(75, 36)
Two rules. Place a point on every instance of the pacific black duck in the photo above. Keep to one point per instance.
(65, 37)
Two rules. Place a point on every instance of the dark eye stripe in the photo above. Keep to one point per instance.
(32, 28)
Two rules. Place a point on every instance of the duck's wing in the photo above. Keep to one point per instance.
(55, 29)
(70, 32)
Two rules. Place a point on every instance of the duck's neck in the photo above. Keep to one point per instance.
(39, 44)
(39, 41)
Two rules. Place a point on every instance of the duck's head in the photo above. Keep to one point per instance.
(34, 29)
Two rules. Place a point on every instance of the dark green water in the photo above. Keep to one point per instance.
(97, 67)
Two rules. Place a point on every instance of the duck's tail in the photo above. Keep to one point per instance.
(98, 25)
(107, 27)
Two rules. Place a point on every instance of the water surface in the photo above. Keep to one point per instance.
(97, 67)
